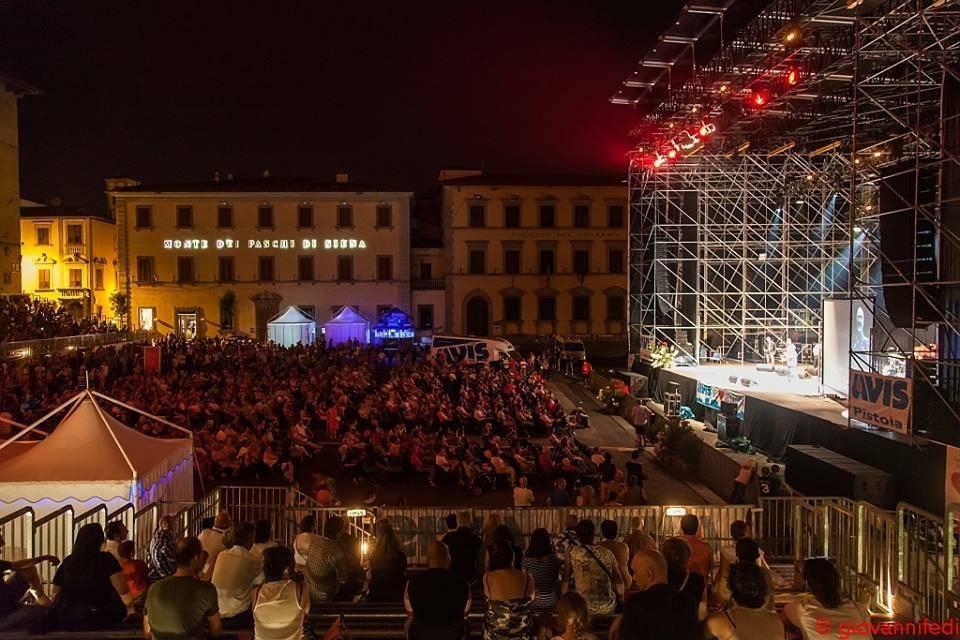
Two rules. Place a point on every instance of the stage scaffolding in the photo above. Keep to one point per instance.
(727, 250)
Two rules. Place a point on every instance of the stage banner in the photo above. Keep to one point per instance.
(712, 397)
(882, 401)
(951, 489)
(151, 359)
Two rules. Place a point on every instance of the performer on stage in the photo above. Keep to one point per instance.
(790, 355)
(769, 350)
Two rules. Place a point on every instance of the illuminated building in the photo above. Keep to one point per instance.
(69, 257)
(531, 256)
(270, 242)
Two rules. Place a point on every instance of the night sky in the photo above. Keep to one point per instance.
(390, 91)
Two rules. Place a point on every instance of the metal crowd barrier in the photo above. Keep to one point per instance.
(877, 555)
(922, 567)
(47, 346)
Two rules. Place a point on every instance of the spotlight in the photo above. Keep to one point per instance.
(723, 88)
(792, 77)
(759, 98)
(809, 177)
(659, 161)
(672, 154)
(792, 36)
(706, 129)
(670, 126)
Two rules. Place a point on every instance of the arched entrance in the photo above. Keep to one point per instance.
(477, 311)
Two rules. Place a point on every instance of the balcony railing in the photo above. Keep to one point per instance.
(426, 284)
(75, 248)
(46, 346)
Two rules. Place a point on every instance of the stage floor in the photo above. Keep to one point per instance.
(799, 395)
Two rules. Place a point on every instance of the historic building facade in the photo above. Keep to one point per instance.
(11, 89)
(529, 256)
(69, 257)
(227, 255)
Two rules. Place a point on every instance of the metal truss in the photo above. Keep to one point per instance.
(727, 249)
(905, 133)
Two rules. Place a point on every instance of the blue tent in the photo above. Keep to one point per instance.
(395, 324)
(347, 324)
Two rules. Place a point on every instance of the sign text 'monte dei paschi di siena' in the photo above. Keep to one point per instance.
(264, 243)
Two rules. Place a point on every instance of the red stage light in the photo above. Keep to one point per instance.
(707, 129)
(759, 98)
(672, 154)
(659, 162)
(792, 77)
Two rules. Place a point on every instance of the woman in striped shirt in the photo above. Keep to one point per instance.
(541, 563)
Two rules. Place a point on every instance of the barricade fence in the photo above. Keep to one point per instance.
(923, 550)
(48, 346)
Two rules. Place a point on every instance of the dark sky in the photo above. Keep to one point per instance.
(392, 91)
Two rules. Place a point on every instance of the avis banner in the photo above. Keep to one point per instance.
(881, 401)
(951, 490)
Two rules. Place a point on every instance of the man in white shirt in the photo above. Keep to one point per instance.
(234, 575)
(522, 496)
(307, 536)
(212, 538)
(115, 532)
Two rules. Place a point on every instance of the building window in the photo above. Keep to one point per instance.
(547, 308)
(305, 268)
(581, 262)
(426, 271)
(615, 216)
(478, 261)
(548, 216)
(546, 261)
(345, 268)
(185, 270)
(384, 216)
(225, 217)
(384, 267)
(425, 316)
(144, 217)
(74, 234)
(615, 308)
(43, 236)
(511, 261)
(7, 278)
(511, 216)
(581, 307)
(184, 216)
(226, 318)
(266, 269)
(478, 215)
(147, 317)
(615, 261)
(43, 279)
(581, 216)
(98, 278)
(145, 272)
(225, 269)
(305, 217)
(344, 216)
(512, 308)
(265, 216)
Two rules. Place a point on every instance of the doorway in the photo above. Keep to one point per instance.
(478, 316)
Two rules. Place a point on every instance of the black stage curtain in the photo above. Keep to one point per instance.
(686, 386)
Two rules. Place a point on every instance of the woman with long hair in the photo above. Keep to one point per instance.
(388, 566)
(540, 562)
(510, 595)
(282, 602)
(573, 619)
(90, 591)
(824, 602)
(744, 617)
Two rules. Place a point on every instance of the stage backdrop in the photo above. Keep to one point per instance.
(837, 342)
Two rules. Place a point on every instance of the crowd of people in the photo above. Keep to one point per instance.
(234, 575)
(25, 318)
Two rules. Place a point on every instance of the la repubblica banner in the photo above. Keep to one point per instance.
(881, 401)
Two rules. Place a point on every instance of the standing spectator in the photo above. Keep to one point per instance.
(464, 546)
(701, 555)
(745, 618)
(490, 529)
(728, 557)
(234, 572)
(522, 496)
(388, 566)
(212, 538)
(825, 603)
(89, 589)
(742, 480)
(134, 571)
(572, 618)
(768, 485)
(282, 602)
(594, 571)
(160, 559)
(567, 539)
(306, 537)
(635, 470)
(608, 472)
(637, 538)
(542, 564)
(183, 606)
(633, 496)
(560, 497)
(587, 496)
(510, 596)
(676, 552)
(640, 416)
(116, 532)
(620, 551)
(437, 600)
(326, 564)
(657, 611)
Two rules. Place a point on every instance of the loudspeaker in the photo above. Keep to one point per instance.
(815, 471)
(728, 427)
(746, 382)
(765, 367)
(733, 379)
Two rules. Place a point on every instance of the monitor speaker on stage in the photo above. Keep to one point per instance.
(733, 379)
(763, 366)
(728, 428)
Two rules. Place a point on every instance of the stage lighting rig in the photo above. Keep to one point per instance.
(759, 97)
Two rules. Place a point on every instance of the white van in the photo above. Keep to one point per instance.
(472, 350)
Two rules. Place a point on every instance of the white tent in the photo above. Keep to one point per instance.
(347, 324)
(292, 327)
(89, 459)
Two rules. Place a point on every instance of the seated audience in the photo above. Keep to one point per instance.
(326, 568)
(282, 602)
(262, 538)
(89, 589)
(657, 611)
(160, 559)
(522, 496)
(134, 571)
(572, 620)
(637, 538)
(18, 580)
(701, 555)
(824, 603)
(748, 551)
(356, 576)
(745, 617)
(437, 600)
(116, 532)
(234, 572)
(594, 572)
(183, 605)
(212, 538)
(541, 563)
(510, 595)
(464, 546)
(305, 538)
(676, 552)
(388, 566)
